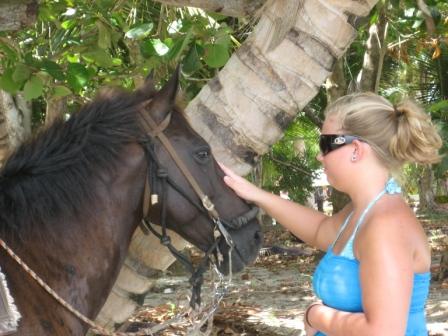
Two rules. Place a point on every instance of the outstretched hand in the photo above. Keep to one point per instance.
(241, 186)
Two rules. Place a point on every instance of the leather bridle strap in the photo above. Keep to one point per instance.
(149, 125)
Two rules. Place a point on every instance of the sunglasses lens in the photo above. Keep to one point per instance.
(325, 143)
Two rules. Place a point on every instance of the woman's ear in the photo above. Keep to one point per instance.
(359, 150)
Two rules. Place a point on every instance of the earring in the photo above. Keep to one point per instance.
(354, 157)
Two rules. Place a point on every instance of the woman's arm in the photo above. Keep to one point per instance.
(386, 273)
(310, 225)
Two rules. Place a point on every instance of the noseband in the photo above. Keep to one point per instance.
(158, 177)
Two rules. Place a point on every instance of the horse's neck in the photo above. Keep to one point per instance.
(80, 259)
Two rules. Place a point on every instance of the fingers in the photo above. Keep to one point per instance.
(227, 170)
(228, 180)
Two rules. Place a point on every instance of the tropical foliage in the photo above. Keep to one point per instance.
(75, 48)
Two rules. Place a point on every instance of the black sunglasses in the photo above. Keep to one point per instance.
(330, 142)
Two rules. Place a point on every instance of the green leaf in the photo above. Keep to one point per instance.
(61, 91)
(77, 76)
(158, 46)
(222, 36)
(140, 32)
(179, 46)
(7, 83)
(216, 55)
(147, 49)
(21, 73)
(73, 58)
(417, 23)
(105, 4)
(67, 24)
(117, 61)
(100, 57)
(53, 69)
(8, 49)
(31, 60)
(45, 13)
(441, 105)
(33, 88)
(192, 61)
(104, 36)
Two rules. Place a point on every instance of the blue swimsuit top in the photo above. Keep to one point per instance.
(336, 279)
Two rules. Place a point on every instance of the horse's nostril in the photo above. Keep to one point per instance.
(258, 236)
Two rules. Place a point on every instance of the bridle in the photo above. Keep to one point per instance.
(156, 173)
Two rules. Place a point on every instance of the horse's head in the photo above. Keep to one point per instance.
(185, 211)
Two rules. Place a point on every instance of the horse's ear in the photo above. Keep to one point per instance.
(147, 90)
(149, 82)
(165, 99)
(171, 87)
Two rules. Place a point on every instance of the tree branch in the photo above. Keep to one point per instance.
(235, 8)
(289, 165)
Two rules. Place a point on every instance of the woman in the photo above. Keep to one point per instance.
(374, 278)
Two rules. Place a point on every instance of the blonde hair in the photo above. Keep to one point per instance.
(398, 134)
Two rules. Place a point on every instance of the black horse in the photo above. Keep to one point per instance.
(72, 196)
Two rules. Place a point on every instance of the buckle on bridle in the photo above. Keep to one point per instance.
(207, 203)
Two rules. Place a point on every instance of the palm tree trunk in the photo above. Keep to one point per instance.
(276, 72)
(15, 122)
(16, 14)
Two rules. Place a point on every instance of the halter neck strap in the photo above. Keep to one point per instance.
(390, 188)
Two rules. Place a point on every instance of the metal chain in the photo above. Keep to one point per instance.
(196, 319)
(220, 289)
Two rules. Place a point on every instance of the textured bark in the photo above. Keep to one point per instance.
(16, 14)
(234, 8)
(426, 193)
(55, 108)
(15, 122)
(247, 106)
(336, 84)
(369, 77)
(429, 21)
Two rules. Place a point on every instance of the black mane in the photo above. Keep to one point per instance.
(50, 176)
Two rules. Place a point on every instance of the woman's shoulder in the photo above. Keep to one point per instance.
(392, 227)
(391, 218)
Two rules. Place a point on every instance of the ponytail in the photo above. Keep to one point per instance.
(416, 139)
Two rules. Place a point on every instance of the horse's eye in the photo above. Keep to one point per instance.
(202, 155)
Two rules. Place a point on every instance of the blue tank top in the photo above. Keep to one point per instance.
(336, 279)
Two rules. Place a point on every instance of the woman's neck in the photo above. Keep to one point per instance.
(363, 192)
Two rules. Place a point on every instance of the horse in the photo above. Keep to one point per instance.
(72, 195)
